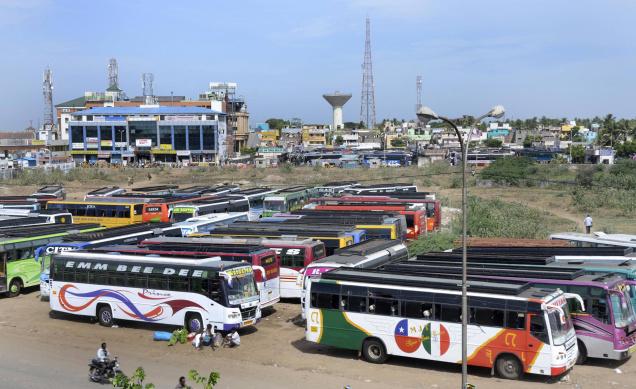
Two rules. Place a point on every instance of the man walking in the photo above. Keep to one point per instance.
(588, 223)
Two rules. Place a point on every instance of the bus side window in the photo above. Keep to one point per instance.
(537, 327)
(451, 313)
(487, 317)
(598, 309)
(515, 320)
(12, 256)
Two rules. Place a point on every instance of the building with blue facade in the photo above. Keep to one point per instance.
(148, 133)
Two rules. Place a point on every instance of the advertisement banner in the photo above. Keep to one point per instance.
(92, 140)
(121, 144)
(143, 142)
(106, 143)
(91, 145)
(165, 146)
(77, 145)
(183, 153)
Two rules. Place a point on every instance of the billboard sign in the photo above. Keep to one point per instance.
(143, 142)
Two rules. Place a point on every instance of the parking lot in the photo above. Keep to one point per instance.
(37, 349)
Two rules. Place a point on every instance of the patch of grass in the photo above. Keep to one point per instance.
(436, 241)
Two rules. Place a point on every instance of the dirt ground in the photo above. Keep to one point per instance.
(40, 350)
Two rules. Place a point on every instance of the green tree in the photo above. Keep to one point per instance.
(578, 153)
(492, 142)
(339, 140)
(136, 381)
(397, 142)
(527, 142)
(276, 124)
(249, 150)
(351, 125)
(205, 382)
(626, 149)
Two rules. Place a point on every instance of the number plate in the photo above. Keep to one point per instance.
(248, 322)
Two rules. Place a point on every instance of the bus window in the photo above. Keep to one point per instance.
(319, 251)
(354, 299)
(451, 313)
(294, 258)
(382, 302)
(138, 209)
(487, 317)
(516, 320)
(537, 328)
(325, 296)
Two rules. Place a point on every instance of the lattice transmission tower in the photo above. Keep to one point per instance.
(113, 75)
(47, 92)
(367, 105)
(418, 92)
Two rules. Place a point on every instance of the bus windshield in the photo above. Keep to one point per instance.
(241, 289)
(622, 309)
(274, 205)
(181, 215)
(560, 325)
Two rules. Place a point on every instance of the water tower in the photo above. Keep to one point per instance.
(337, 100)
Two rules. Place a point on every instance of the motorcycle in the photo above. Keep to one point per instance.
(103, 372)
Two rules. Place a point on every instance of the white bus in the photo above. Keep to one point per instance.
(513, 328)
(174, 291)
(206, 223)
(596, 239)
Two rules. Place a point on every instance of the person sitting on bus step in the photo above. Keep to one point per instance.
(102, 353)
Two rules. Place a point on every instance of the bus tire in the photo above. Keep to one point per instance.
(509, 367)
(374, 351)
(15, 287)
(105, 315)
(193, 322)
(582, 357)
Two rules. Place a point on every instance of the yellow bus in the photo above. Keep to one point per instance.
(107, 214)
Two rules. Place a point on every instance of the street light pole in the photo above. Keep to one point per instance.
(427, 113)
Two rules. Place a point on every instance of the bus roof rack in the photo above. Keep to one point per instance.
(388, 278)
(116, 231)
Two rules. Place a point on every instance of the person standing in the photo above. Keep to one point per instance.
(588, 223)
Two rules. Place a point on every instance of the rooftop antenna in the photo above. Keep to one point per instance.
(367, 107)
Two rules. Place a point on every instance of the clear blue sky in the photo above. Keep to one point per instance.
(542, 57)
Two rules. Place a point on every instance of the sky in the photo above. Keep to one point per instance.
(558, 58)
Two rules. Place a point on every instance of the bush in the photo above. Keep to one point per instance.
(510, 170)
(178, 336)
(435, 241)
(496, 218)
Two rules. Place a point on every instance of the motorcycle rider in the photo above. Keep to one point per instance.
(102, 353)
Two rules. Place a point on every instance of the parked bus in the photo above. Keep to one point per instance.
(165, 190)
(415, 217)
(131, 234)
(255, 197)
(160, 210)
(381, 188)
(262, 259)
(206, 223)
(334, 188)
(200, 190)
(368, 255)
(356, 217)
(333, 239)
(10, 218)
(292, 255)
(190, 209)
(606, 329)
(30, 204)
(105, 213)
(513, 329)
(433, 207)
(597, 239)
(384, 229)
(105, 191)
(41, 196)
(174, 291)
(286, 200)
(18, 268)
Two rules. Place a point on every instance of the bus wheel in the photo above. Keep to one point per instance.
(582, 357)
(509, 367)
(193, 322)
(15, 287)
(373, 351)
(105, 316)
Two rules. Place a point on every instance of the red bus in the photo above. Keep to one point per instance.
(415, 218)
(262, 259)
(292, 255)
(433, 207)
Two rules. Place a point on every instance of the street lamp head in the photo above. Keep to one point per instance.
(496, 112)
(426, 113)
